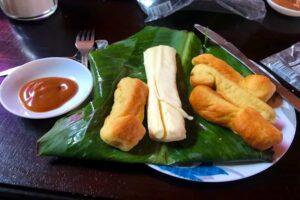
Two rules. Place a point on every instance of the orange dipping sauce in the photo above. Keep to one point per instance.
(291, 4)
(45, 94)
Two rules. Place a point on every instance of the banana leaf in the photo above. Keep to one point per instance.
(77, 135)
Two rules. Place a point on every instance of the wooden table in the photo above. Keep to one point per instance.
(24, 175)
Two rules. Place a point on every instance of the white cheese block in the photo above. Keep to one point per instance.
(165, 115)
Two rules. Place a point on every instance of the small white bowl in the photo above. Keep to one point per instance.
(46, 67)
(284, 10)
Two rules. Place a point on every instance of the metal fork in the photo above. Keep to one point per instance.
(84, 42)
(101, 44)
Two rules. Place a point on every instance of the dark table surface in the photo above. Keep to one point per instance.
(24, 175)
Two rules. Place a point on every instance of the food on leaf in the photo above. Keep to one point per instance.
(77, 135)
(165, 115)
(252, 82)
(123, 128)
(249, 83)
(218, 64)
(232, 92)
(222, 96)
(246, 122)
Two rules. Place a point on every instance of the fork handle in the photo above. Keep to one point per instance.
(84, 59)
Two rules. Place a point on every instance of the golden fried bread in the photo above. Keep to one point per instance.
(255, 130)
(246, 122)
(257, 85)
(130, 98)
(123, 132)
(210, 105)
(219, 65)
(123, 128)
(222, 96)
(202, 77)
(231, 91)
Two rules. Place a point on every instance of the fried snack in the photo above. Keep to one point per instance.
(246, 122)
(218, 64)
(123, 127)
(255, 130)
(230, 91)
(257, 85)
(211, 106)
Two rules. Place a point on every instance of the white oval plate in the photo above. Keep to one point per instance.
(231, 172)
(284, 10)
(46, 67)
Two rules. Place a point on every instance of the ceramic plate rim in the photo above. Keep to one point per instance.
(258, 166)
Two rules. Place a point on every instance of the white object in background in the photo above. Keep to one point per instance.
(284, 10)
(46, 67)
(28, 9)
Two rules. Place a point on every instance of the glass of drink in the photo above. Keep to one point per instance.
(27, 10)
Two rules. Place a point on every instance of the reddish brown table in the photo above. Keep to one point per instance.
(24, 175)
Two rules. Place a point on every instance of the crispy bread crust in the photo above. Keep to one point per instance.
(257, 85)
(224, 97)
(255, 130)
(123, 128)
(231, 91)
(246, 122)
(210, 105)
(219, 65)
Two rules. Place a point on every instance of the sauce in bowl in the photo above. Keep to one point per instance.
(291, 4)
(45, 94)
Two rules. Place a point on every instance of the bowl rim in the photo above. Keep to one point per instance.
(284, 10)
(48, 114)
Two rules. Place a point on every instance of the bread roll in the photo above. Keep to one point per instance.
(255, 130)
(123, 127)
(230, 91)
(211, 106)
(246, 122)
(257, 85)
(219, 65)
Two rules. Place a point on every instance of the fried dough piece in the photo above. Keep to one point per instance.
(123, 128)
(255, 130)
(210, 105)
(230, 91)
(246, 122)
(220, 65)
(257, 85)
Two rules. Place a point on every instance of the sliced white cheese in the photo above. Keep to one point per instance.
(165, 115)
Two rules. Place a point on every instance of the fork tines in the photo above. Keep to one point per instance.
(86, 35)
(84, 43)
